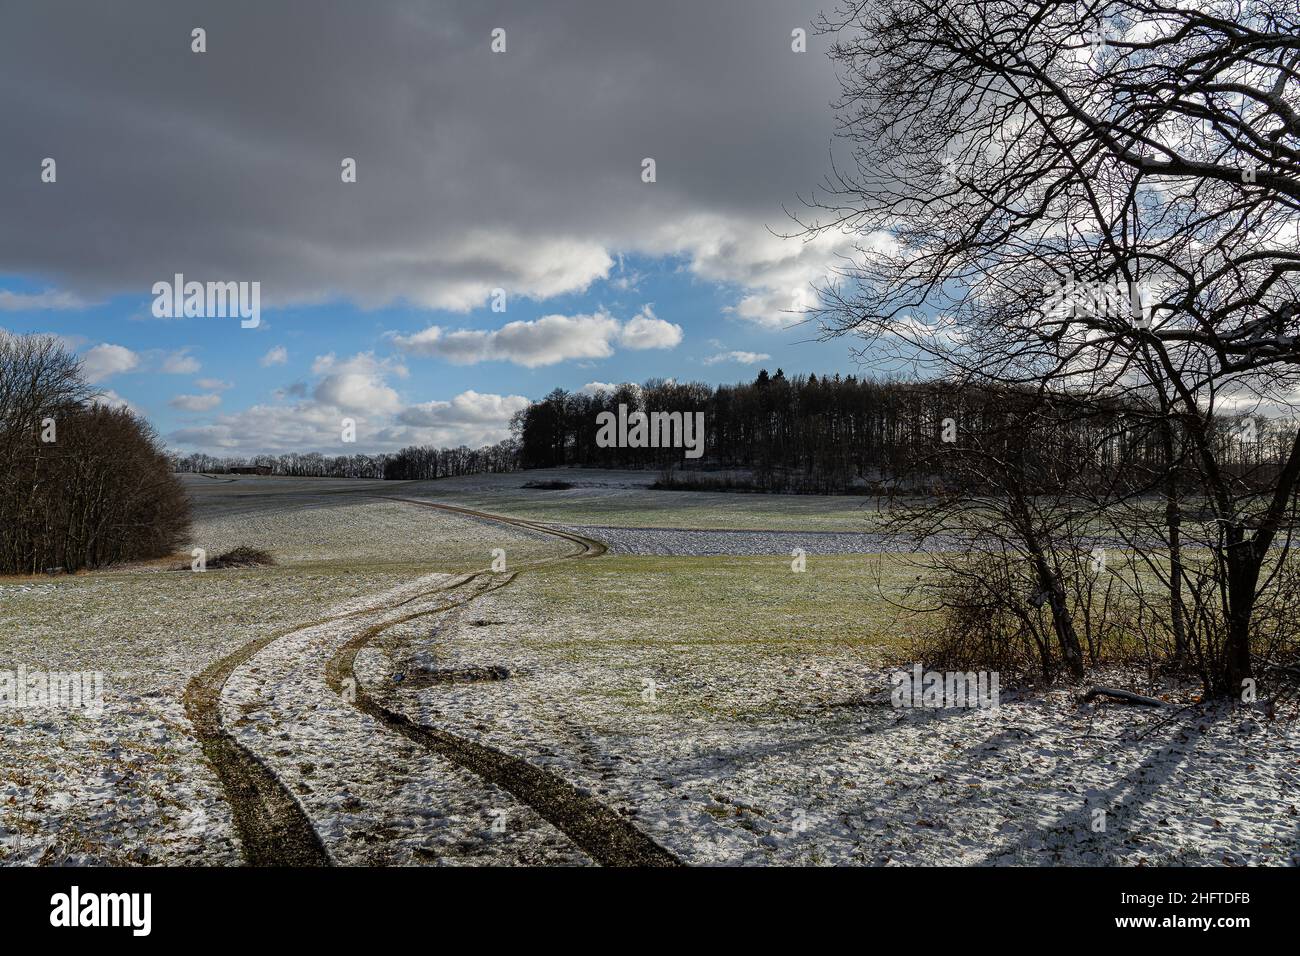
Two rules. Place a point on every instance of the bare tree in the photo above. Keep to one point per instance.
(81, 484)
(39, 382)
(1098, 197)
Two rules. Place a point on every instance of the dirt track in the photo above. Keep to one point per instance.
(272, 825)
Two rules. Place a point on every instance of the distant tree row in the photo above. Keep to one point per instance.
(292, 464)
(413, 462)
(82, 485)
(426, 462)
(833, 434)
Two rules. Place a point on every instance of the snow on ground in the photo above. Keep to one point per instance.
(624, 499)
(732, 724)
(323, 528)
(374, 797)
(697, 543)
(130, 785)
(125, 788)
(818, 767)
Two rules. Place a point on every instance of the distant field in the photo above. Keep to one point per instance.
(624, 499)
(362, 531)
(611, 498)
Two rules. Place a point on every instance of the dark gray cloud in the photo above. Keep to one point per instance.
(475, 170)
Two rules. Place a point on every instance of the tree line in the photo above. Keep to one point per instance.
(415, 462)
(833, 434)
(82, 484)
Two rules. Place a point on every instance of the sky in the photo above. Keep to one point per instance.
(499, 240)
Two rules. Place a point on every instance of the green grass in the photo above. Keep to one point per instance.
(729, 636)
(835, 603)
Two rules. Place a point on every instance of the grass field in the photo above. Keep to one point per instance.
(735, 710)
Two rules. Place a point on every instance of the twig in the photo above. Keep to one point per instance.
(1164, 720)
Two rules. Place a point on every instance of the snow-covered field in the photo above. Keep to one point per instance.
(751, 755)
(732, 710)
(699, 543)
(625, 499)
(130, 785)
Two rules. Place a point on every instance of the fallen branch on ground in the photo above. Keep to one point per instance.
(1126, 696)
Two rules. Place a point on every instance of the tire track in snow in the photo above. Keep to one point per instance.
(272, 827)
(600, 832)
(275, 830)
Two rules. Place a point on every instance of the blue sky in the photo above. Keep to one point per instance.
(186, 374)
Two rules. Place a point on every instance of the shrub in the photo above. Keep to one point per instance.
(980, 623)
(242, 557)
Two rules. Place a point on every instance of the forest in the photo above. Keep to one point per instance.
(835, 435)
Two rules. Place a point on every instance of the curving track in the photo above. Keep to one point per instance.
(272, 826)
(273, 830)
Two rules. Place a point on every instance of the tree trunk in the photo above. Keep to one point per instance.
(1173, 521)
(1066, 636)
(1243, 577)
(1071, 651)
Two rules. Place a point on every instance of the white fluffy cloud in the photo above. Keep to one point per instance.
(646, 331)
(307, 426)
(778, 277)
(743, 358)
(545, 341)
(276, 356)
(462, 272)
(106, 360)
(113, 400)
(357, 384)
(49, 299)
(356, 387)
(467, 408)
(471, 418)
(195, 403)
(180, 363)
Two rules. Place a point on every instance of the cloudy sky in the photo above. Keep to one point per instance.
(475, 171)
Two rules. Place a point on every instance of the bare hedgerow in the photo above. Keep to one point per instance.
(980, 622)
(986, 612)
(82, 485)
